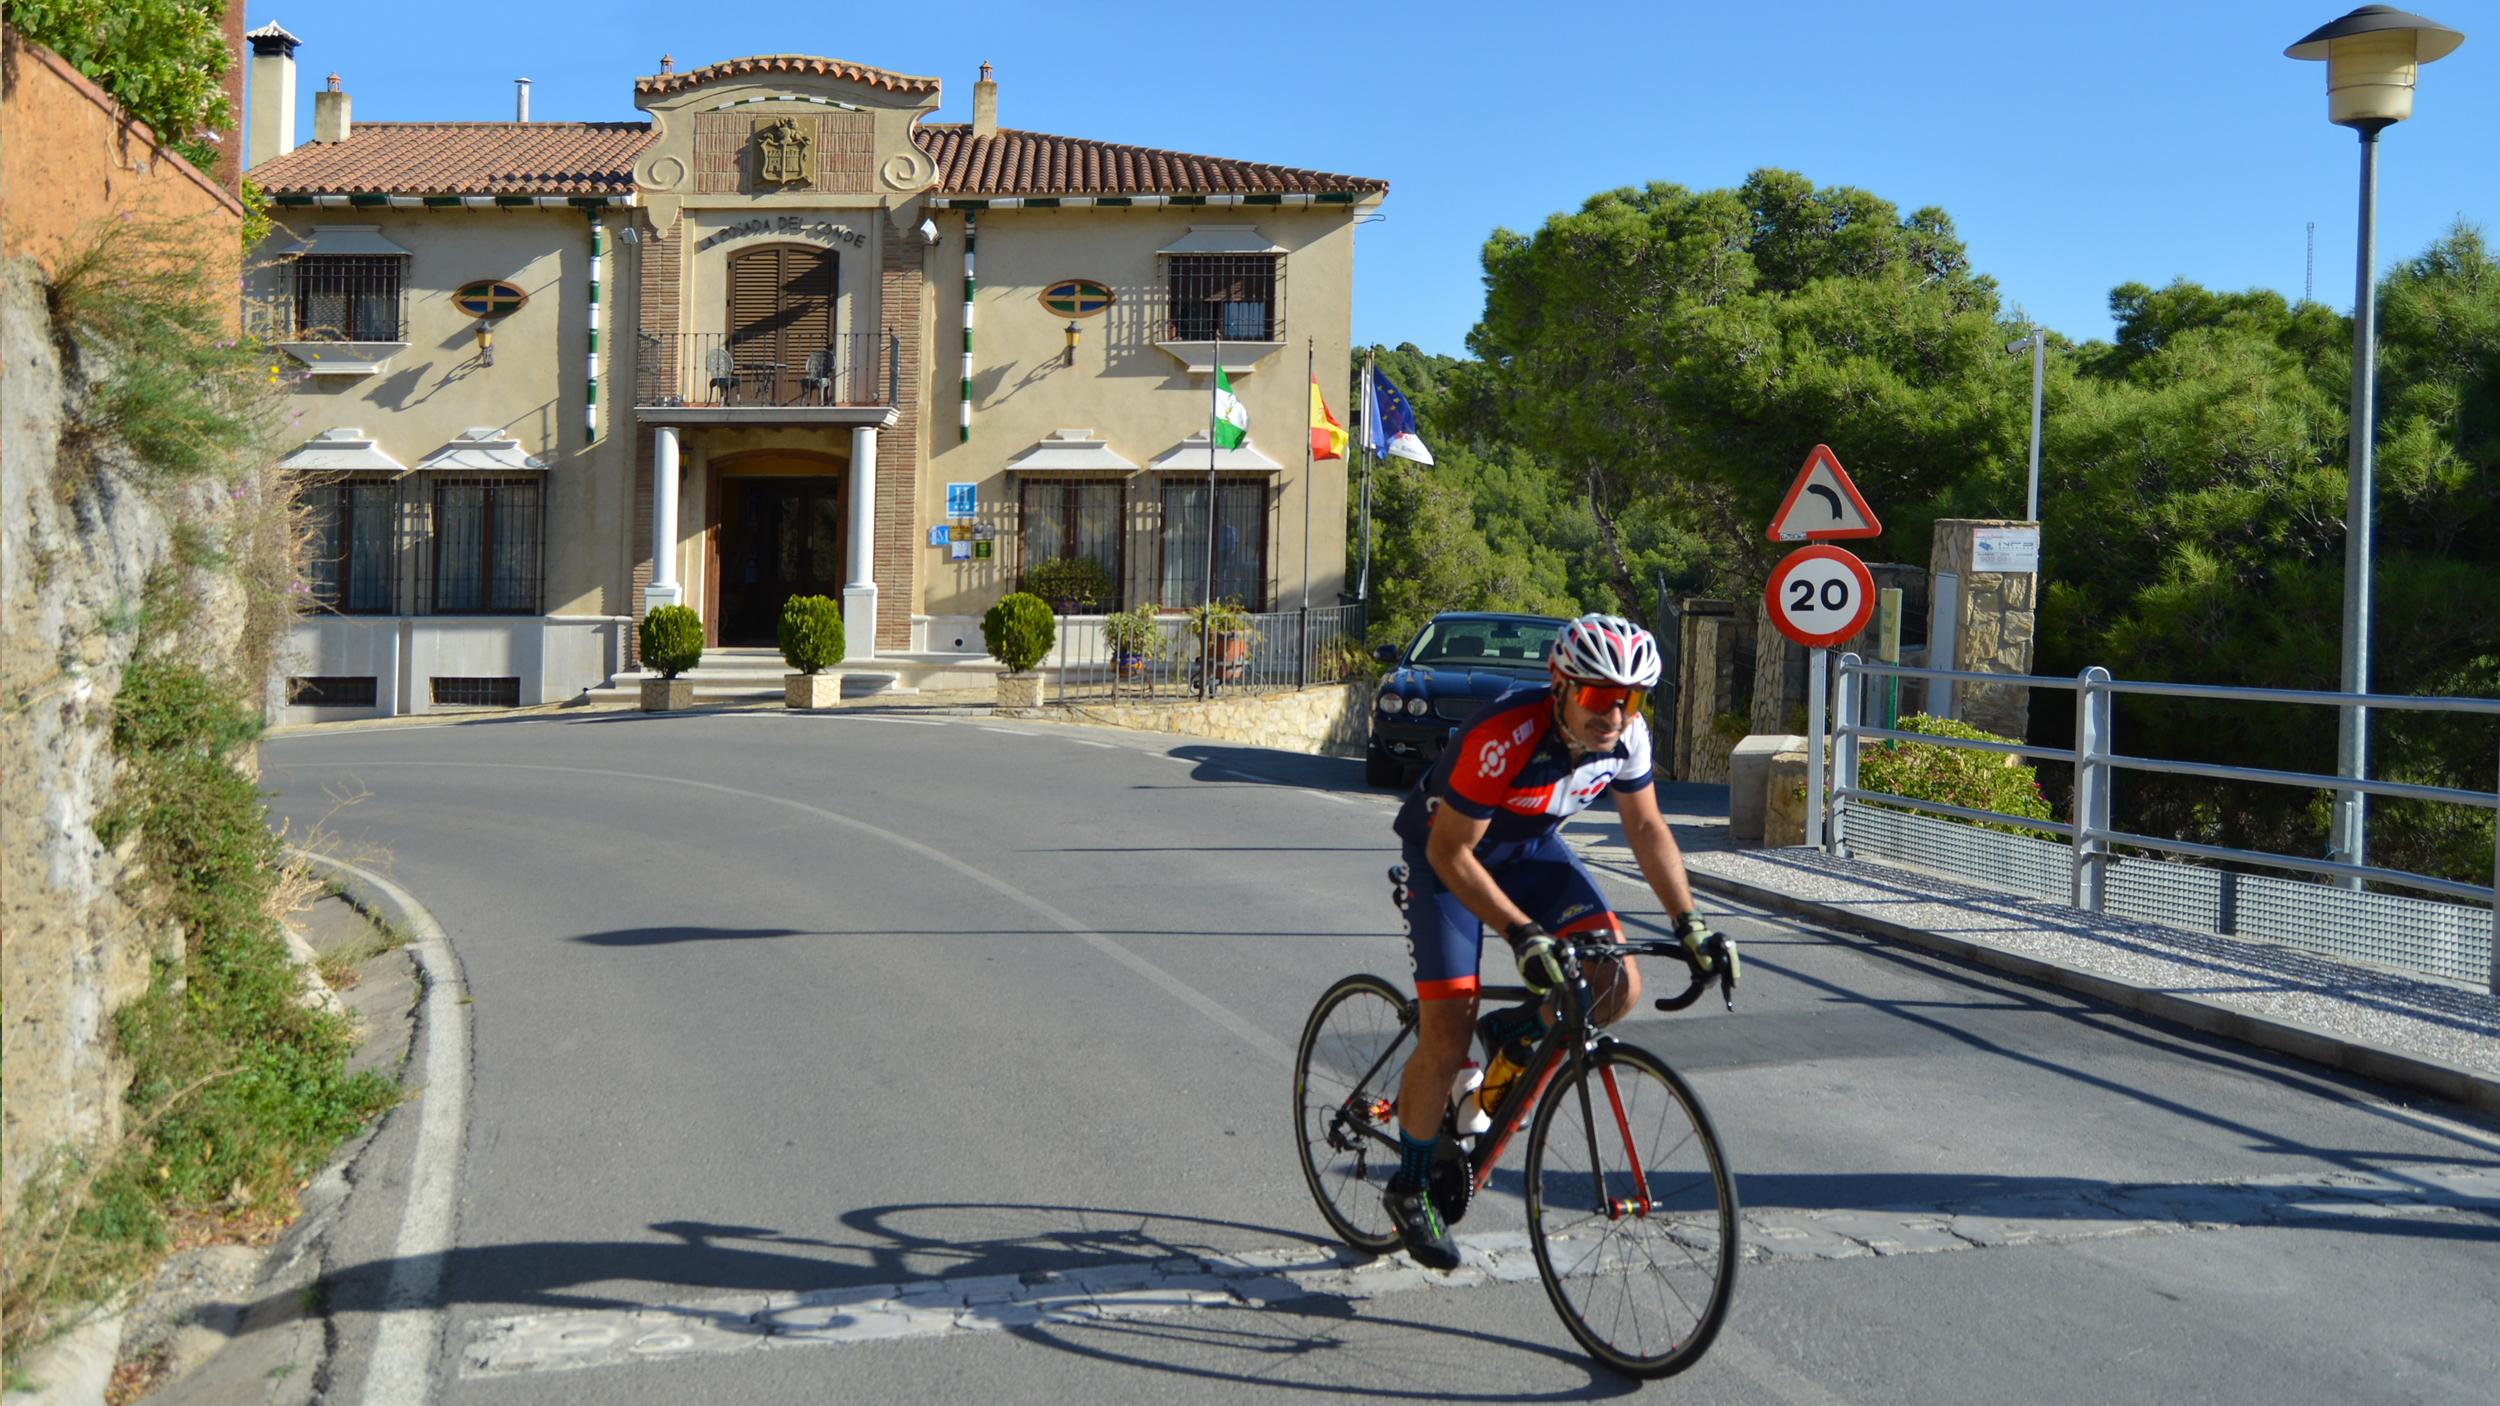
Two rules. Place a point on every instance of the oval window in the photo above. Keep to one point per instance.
(488, 297)
(1076, 297)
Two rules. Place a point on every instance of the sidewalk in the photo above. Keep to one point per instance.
(2416, 1032)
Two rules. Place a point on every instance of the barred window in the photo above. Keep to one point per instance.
(1240, 541)
(1232, 295)
(353, 547)
(1074, 518)
(488, 554)
(351, 298)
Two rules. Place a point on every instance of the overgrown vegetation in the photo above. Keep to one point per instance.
(1650, 369)
(1955, 776)
(164, 61)
(1070, 582)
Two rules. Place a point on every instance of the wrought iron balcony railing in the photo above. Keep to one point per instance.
(761, 371)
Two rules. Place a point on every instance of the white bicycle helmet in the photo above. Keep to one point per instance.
(1606, 649)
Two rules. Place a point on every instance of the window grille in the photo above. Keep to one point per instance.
(330, 691)
(351, 298)
(352, 526)
(1232, 295)
(476, 692)
(489, 555)
(1074, 517)
(1240, 541)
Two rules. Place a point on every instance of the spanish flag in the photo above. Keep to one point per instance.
(1327, 436)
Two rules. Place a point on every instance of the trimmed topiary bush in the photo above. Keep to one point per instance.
(672, 640)
(1954, 776)
(1019, 630)
(811, 633)
(1070, 581)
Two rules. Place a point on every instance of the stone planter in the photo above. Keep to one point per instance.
(1019, 692)
(804, 691)
(667, 695)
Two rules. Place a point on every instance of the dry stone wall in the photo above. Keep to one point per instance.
(1319, 721)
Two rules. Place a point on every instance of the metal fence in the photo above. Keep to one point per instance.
(1119, 658)
(761, 370)
(2446, 939)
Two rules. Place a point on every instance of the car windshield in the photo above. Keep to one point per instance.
(1501, 644)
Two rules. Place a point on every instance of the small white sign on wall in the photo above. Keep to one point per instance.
(2007, 549)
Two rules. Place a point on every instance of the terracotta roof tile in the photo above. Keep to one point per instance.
(662, 83)
(1036, 163)
(463, 158)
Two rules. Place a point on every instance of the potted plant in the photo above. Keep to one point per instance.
(1019, 631)
(811, 642)
(1223, 628)
(1071, 585)
(1135, 640)
(672, 643)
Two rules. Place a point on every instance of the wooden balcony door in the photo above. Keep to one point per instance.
(781, 320)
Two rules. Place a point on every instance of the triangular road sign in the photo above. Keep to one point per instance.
(1823, 504)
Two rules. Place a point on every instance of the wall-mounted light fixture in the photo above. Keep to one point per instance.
(1074, 332)
(485, 342)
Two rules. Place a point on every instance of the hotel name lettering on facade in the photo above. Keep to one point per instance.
(789, 227)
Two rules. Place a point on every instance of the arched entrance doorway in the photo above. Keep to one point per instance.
(780, 522)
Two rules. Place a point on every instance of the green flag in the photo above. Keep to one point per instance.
(1232, 418)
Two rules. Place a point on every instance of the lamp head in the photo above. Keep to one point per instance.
(485, 342)
(2372, 56)
(1073, 333)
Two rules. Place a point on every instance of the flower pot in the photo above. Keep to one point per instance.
(667, 695)
(1019, 692)
(804, 691)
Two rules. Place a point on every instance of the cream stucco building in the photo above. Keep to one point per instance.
(781, 335)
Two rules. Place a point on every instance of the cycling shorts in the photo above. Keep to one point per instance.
(1542, 876)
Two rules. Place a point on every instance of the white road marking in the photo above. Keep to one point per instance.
(890, 718)
(1007, 731)
(1081, 742)
(412, 1309)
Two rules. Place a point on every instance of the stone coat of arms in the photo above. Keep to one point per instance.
(782, 154)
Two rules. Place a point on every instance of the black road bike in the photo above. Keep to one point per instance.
(1631, 1207)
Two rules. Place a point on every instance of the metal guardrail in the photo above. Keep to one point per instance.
(1268, 651)
(2093, 838)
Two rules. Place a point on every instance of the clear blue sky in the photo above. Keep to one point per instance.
(2076, 146)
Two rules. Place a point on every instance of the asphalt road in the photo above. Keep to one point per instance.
(786, 1004)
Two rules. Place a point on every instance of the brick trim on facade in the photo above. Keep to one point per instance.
(901, 286)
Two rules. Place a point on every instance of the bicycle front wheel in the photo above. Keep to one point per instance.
(1345, 1089)
(1632, 1212)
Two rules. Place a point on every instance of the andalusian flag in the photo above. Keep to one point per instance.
(1232, 418)
(1327, 436)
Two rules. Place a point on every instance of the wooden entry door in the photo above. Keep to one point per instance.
(780, 537)
(781, 321)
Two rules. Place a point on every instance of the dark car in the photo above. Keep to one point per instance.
(1454, 663)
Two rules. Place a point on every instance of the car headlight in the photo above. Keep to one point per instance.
(1388, 701)
(1417, 707)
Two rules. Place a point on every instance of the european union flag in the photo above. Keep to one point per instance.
(1390, 427)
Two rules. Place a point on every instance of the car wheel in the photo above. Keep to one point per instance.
(1381, 769)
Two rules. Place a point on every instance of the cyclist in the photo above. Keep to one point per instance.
(1480, 842)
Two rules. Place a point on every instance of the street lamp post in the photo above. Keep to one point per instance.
(2038, 345)
(2372, 56)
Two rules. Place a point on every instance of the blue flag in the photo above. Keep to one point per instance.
(1390, 427)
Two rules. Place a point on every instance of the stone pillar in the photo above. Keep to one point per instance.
(663, 589)
(1993, 626)
(859, 593)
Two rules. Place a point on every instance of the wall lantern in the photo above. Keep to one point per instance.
(485, 342)
(1073, 332)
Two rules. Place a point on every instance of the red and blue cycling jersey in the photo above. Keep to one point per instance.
(1509, 765)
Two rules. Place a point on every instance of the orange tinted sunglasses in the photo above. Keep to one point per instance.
(1601, 698)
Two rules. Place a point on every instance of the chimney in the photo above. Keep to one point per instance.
(269, 129)
(330, 122)
(521, 100)
(985, 105)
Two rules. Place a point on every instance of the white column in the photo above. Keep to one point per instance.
(664, 589)
(859, 594)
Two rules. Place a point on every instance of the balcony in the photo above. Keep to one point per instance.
(718, 378)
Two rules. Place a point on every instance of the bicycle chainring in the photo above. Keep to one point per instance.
(1451, 1183)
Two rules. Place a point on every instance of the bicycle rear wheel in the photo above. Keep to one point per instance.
(1345, 1089)
(1632, 1212)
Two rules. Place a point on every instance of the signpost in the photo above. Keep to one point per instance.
(1820, 595)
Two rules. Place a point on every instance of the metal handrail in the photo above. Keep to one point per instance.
(2093, 838)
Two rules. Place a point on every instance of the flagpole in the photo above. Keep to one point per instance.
(1310, 360)
(1363, 583)
(1206, 603)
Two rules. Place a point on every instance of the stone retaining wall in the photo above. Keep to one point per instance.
(1320, 721)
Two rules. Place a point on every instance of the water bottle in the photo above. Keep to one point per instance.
(1467, 1118)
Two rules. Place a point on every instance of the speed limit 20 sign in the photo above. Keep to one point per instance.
(1820, 596)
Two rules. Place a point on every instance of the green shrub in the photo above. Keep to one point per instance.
(811, 633)
(1134, 633)
(672, 640)
(1070, 581)
(1019, 630)
(1230, 617)
(1955, 776)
